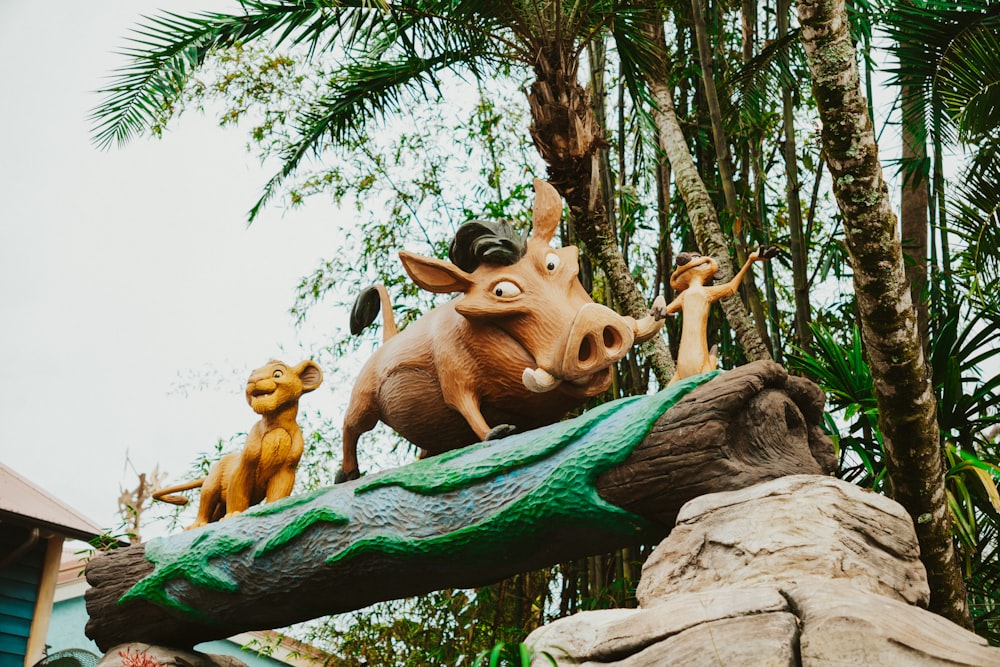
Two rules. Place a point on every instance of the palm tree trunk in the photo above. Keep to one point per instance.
(914, 201)
(569, 139)
(903, 389)
(701, 211)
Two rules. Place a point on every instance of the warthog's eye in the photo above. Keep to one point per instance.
(506, 289)
(277, 374)
(551, 262)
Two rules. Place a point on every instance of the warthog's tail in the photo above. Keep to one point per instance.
(366, 308)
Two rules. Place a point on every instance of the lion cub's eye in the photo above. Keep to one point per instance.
(551, 262)
(506, 289)
(276, 374)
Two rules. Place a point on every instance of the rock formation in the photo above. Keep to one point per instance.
(802, 571)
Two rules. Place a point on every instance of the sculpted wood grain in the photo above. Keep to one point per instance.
(749, 425)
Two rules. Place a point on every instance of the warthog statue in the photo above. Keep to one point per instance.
(520, 347)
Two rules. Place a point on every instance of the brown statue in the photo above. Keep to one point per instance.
(265, 468)
(520, 347)
(693, 279)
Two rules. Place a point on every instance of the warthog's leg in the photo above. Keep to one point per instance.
(361, 417)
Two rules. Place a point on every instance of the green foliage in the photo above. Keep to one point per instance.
(841, 370)
(975, 218)
(512, 655)
(968, 414)
(388, 56)
(449, 627)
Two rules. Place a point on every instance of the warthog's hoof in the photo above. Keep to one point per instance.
(342, 476)
(501, 431)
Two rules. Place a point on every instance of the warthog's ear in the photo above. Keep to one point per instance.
(547, 212)
(435, 275)
(310, 374)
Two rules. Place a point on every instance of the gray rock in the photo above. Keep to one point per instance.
(763, 640)
(841, 626)
(803, 571)
(788, 531)
(613, 634)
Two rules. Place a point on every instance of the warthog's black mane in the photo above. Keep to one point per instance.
(486, 242)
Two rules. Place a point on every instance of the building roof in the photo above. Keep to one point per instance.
(24, 503)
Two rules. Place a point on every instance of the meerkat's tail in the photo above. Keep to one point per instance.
(166, 495)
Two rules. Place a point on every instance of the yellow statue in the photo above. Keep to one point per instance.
(265, 468)
(693, 280)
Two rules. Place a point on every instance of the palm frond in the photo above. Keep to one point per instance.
(970, 81)
(166, 49)
(840, 369)
(974, 214)
(636, 50)
(361, 93)
(931, 39)
(767, 73)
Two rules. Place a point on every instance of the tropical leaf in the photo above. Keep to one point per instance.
(969, 79)
(974, 212)
(934, 44)
(841, 370)
(166, 49)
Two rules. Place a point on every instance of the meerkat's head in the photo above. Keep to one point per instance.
(690, 267)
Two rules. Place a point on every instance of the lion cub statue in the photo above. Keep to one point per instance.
(265, 468)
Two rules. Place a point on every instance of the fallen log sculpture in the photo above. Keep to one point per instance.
(618, 473)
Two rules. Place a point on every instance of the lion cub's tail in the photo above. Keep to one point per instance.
(165, 494)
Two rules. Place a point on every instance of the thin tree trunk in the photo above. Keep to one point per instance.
(914, 201)
(569, 139)
(903, 389)
(724, 158)
(665, 254)
(942, 224)
(701, 211)
(797, 241)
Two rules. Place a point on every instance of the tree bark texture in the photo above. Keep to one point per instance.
(615, 475)
(798, 243)
(566, 133)
(724, 158)
(907, 408)
(701, 211)
(914, 200)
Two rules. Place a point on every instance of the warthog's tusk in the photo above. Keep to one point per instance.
(538, 380)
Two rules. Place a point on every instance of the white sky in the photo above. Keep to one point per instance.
(120, 270)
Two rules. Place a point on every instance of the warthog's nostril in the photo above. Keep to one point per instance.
(586, 349)
(612, 339)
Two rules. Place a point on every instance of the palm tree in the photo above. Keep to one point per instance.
(899, 372)
(949, 62)
(949, 79)
(391, 51)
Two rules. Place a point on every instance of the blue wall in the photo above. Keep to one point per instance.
(18, 593)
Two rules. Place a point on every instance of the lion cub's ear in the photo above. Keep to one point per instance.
(310, 374)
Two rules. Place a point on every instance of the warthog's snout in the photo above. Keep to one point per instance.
(597, 338)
